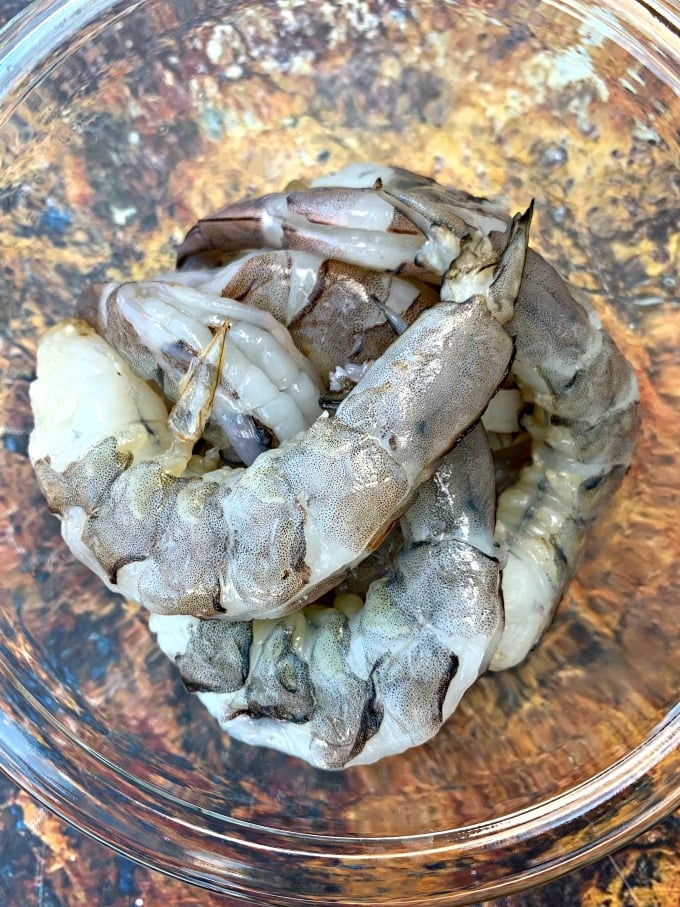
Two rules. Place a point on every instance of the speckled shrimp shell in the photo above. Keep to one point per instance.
(579, 391)
(352, 683)
(266, 540)
(583, 417)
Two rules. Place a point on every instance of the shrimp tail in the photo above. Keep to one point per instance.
(188, 416)
(492, 271)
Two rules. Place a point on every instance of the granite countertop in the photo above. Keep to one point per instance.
(45, 862)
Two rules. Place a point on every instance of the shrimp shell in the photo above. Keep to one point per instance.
(189, 539)
(583, 418)
(350, 684)
(269, 539)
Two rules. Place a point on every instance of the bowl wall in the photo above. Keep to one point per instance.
(151, 114)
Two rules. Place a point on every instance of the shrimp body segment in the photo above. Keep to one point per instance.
(265, 540)
(348, 218)
(583, 417)
(352, 683)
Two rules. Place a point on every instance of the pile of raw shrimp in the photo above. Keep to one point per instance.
(346, 454)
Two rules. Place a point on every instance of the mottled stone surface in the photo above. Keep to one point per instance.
(106, 191)
(46, 863)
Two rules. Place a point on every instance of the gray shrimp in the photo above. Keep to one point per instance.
(350, 684)
(326, 684)
(580, 392)
(583, 418)
(343, 223)
(266, 540)
(347, 218)
(336, 313)
(267, 390)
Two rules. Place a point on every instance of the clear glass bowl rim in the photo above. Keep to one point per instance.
(47, 25)
(581, 825)
(30, 46)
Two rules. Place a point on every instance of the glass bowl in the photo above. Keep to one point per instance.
(120, 124)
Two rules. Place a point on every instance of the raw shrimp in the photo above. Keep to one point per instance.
(154, 325)
(353, 683)
(582, 414)
(346, 217)
(580, 394)
(356, 226)
(266, 540)
(331, 308)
